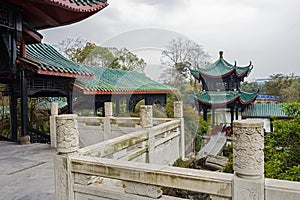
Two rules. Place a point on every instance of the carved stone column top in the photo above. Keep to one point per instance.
(178, 109)
(248, 123)
(146, 116)
(67, 135)
(108, 109)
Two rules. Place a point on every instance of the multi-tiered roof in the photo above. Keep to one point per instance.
(221, 86)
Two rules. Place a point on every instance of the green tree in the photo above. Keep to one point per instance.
(292, 93)
(126, 60)
(282, 146)
(249, 86)
(278, 83)
(178, 57)
(80, 51)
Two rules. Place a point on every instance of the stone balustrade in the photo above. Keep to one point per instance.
(94, 172)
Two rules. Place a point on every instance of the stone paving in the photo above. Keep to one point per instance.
(26, 171)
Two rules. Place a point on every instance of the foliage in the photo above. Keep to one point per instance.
(228, 152)
(70, 46)
(203, 127)
(4, 114)
(282, 155)
(276, 83)
(285, 86)
(250, 86)
(126, 60)
(178, 57)
(80, 51)
(292, 93)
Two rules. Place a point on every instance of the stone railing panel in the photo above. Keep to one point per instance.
(218, 184)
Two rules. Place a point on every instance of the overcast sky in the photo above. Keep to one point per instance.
(267, 32)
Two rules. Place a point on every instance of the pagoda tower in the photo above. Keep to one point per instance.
(221, 83)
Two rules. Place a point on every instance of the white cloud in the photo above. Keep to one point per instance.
(266, 32)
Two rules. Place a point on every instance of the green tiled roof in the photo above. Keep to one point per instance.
(221, 68)
(45, 103)
(264, 110)
(44, 59)
(108, 80)
(224, 97)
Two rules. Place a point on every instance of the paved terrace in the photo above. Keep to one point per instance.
(26, 171)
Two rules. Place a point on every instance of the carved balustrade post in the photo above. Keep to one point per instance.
(248, 160)
(178, 113)
(54, 112)
(108, 110)
(67, 142)
(146, 120)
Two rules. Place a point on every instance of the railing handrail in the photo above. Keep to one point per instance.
(160, 175)
(111, 146)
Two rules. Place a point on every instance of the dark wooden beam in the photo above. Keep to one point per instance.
(70, 102)
(24, 104)
(205, 114)
(13, 114)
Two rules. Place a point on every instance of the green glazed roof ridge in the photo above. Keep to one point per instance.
(221, 67)
(53, 60)
(221, 97)
(121, 80)
(47, 58)
(264, 110)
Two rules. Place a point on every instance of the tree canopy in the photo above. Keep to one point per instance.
(80, 51)
(177, 57)
(285, 86)
(282, 155)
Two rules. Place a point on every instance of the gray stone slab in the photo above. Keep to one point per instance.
(26, 171)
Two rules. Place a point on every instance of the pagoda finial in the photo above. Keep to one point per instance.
(221, 54)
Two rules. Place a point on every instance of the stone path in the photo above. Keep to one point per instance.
(26, 171)
(214, 146)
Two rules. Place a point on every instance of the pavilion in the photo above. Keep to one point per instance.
(30, 68)
(221, 88)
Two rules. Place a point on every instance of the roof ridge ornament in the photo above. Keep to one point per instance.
(221, 54)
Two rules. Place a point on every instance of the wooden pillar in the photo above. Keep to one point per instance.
(13, 114)
(205, 114)
(213, 117)
(117, 106)
(231, 115)
(237, 114)
(271, 125)
(25, 138)
(70, 102)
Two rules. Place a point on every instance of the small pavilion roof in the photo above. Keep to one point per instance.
(223, 98)
(114, 81)
(264, 110)
(52, 13)
(222, 68)
(44, 59)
